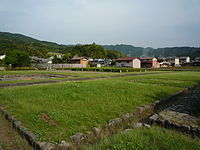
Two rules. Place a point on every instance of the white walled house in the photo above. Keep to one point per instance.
(131, 62)
(174, 61)
(184, 60)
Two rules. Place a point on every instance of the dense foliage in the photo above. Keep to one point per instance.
(133, 51)
(94, 51)
(17, 59)
(124, 69)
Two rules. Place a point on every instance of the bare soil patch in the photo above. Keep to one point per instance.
(47, 119)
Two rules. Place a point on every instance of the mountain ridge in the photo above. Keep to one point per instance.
(10, 41)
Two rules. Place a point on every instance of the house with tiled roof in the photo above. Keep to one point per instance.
(79, 60)
(149, 62)
(131, 62)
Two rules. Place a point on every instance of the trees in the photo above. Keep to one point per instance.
(66, 58)
(57, 60)
(17, 59)
(94, 51)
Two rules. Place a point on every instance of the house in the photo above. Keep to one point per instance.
(79, 60)
(184, 60)
(174, 61)
(196, 61)
(100, 62)
(149, 62)
(37, 60)
(41, 62)
(162, 62)
(95, 62)
(107, 62)
(131, 62)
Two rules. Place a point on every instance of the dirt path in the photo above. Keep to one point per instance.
(9, 138)
(76, 79)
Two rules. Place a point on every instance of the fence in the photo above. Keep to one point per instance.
(54, 66)
(2, 68)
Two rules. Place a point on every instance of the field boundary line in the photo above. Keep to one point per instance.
(75, 79)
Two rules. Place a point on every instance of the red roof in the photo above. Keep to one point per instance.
(126, 58)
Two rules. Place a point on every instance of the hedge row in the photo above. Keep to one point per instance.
(106, 69)
(114, 69)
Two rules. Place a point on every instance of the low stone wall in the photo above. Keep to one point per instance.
(78, 140)
(116, 125)
(25, 133)
(182, 115)
(194, 130)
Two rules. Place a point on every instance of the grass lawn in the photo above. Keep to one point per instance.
(71, 75)
(56, 111)
(154, 138)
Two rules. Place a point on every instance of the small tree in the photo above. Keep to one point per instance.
(67, 57)
(17, 59)
(2, 62)
(57, 60)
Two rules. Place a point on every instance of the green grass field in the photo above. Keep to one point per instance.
(71, 75)
(78, 106)
(154, 138)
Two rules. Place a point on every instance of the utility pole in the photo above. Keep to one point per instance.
(163, 53)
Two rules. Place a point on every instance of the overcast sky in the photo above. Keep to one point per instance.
(153, 23)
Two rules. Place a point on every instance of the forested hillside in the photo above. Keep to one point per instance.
(133, 51)
(33, 47)
(9, 42)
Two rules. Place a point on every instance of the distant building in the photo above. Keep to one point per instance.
(162, 62)
(196, 61)
(95, 62)
(149, 62)
(183, 60)
(100, 62)
(131, 62)
(37, 60)
(41, 62)
(79, 60)
(174, 61)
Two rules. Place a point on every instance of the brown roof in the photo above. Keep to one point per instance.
(78, 58)
(126, 58)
